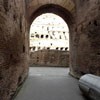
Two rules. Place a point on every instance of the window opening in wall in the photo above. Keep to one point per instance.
(37, 35)
(61, 48)
(66, 48)
(48, 48)
(47, 36)
(57, 48)
(23, 49)
(42, 36)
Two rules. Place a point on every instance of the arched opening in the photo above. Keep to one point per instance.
(59, 11)
(84, 40)
(55, 53)
(65, 15)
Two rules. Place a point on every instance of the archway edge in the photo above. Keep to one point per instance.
(55, 9)
(33, 5)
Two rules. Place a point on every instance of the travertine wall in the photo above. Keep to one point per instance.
(84, 38)
(50, 58)
(85, 42)
(13, 47)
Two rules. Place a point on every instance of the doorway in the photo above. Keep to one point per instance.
(49, 41)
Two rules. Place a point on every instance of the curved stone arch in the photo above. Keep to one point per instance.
(65, 14)
(33, 5)
(52, 8)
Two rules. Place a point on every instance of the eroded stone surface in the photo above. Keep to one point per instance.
(13, 65)
(85, 47)
(50, 58)
(84, 38)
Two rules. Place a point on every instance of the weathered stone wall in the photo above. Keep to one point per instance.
(85, 40)
(13, 47)
(50, 58)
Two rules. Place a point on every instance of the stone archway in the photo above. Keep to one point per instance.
(58, 10)
(53, 48)
(83, 47)
(32, 5)
(52, 8)
(83, 18)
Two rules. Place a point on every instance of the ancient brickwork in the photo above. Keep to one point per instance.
(13, 51)
(83, 19)
(50, 58)
(85, 42)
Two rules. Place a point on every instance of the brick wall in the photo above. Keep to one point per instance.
(50, 58)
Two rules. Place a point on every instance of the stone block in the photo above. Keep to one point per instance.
(90, 86)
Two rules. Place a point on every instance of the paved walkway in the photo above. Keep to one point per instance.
(50, 84)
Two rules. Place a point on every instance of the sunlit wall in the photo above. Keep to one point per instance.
(49, 31)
